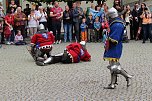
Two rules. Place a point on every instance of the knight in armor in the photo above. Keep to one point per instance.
(41, 44)
(74, 53)
(113, 48)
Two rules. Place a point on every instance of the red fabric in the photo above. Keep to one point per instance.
(40, 40)
(86, 56)
(9, 19)
(56, 11)
(75, 50)
(107, 45)
(105, 25)
(7, 32)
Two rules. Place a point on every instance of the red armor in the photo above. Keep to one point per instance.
(78, 53)
(43, 40)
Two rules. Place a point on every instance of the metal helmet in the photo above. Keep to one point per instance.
(83, 44)
(112, 12)
(41, 27)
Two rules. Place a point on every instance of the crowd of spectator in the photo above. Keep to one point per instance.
(78, 24)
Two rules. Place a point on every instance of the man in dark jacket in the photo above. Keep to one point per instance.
(77, 18)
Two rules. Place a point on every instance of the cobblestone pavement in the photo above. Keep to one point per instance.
(22, 80)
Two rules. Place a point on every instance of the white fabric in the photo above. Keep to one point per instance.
(32, 22)
(42, 17)
(128, 31)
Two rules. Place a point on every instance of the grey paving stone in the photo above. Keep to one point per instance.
(22, 80)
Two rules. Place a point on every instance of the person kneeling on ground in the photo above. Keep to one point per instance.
(41, 43)
(74, 53)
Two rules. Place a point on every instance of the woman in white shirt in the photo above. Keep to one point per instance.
(32, 22)
(42, 17)
(127, 18)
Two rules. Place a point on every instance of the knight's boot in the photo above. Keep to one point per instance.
(43, 63)
(40, 63)
(113, 82)
(127, 76)
(40, 59)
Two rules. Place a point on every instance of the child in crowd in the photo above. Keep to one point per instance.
(83, 27)
(97, 26)
(1, 30)
(91, 33)
(19, 39)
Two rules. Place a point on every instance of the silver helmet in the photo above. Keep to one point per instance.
(112, 12)
(83, 44)
(41, 27)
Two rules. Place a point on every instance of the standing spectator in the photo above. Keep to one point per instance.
(127, 18)
(32, 23)
(77, 19)
(1, 30)
(56, 13)
(2, 15)
(150, 26)
(20, 19)
(50, 5)
(27, 10)
(42, 17)
(135, 14)
(141, 11)
(12, 11)
(9, 22)
(73, 7)
(1, 11)
(12, 5)
(146, 25)
(35, 8)
(83, 27)
(49, 20)
(97, 26)
(19, 38)
(90, 28)
(67, 24)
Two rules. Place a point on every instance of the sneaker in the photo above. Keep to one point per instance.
(8, 43)
(0, 46)
(60, 41)
(12, 43)
(57, 42)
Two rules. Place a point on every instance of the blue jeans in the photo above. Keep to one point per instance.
(12, 36)
(67, 32)
(150, 32)
(147, 32)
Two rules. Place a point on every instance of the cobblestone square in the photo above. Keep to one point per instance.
(22, 80)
